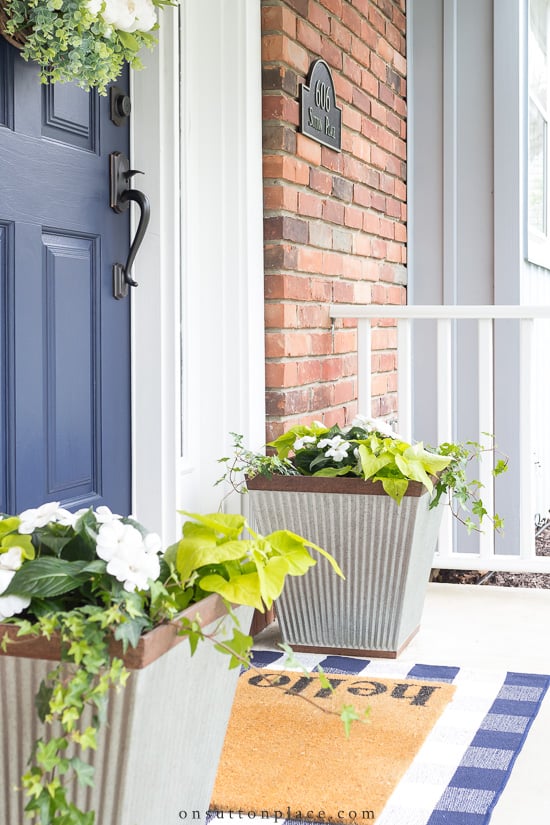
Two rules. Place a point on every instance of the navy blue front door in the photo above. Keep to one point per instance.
(64, 339)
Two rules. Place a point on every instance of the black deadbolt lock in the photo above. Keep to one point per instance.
(121, 106)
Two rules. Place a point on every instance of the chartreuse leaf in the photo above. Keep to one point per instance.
(9, 525)
(272, 577)
(193, 553)
(370, 463)
(227, 524)
(23, 542)
(394, 487)
(238, 590)
(285, 541)
(332, 472)
(285, 442)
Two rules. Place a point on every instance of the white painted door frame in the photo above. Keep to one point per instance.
(198, 333)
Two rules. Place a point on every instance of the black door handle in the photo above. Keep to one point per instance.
(121, 196)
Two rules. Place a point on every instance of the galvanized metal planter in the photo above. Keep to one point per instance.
(158, 752)
(384, 550)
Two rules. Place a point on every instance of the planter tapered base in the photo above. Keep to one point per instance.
(355, 651)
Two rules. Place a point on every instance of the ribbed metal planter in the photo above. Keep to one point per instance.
(384, 550)
(158, 752)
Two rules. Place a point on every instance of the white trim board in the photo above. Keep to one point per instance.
(198, 312)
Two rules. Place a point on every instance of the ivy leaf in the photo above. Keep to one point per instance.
(129, 632)
(47, 576)
(349, 714)
(238, 647)
(84, 772)
(42, 700)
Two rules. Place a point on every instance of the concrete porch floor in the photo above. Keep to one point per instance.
(491, 627)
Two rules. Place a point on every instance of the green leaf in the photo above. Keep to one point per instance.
(287, 542)
(128, 40)
(238, 590)
(24, 542)
(42, 700)
(332, 472)
(47, 576)
(227, 524)
(130, 632)
(272, 578)
(84, 772)
(348, 715)
(238, 647)
(371, 464)
(9, 525)
(194, 553)
(395, 487)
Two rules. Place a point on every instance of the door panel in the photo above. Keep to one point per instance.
(64, 339)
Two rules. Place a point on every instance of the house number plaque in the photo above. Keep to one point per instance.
(320, 117)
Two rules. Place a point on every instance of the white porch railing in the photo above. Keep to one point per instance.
(448, 556)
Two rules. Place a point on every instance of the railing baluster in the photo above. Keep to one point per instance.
(526, 418)
(445, 416)
(485, 378)
(364, 367)
(404, 378)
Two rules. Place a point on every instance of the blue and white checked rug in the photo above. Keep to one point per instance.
(463, 766)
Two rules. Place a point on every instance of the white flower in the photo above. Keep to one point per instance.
(38, 517)
(130, 15)
(105, 516)
(152, 543)
(375, 424)
(65, 518)
(130, 558)
(300, 443)
(114, 536)
(10, 561)
(134, 567)
(94, 6)
(10, 605)
(338, 447)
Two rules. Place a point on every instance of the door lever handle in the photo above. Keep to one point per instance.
(121, 194)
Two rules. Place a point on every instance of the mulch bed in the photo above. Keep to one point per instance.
(541, 580)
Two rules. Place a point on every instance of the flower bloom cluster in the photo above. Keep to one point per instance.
(125, 15)
(131, 555)
(131, 558)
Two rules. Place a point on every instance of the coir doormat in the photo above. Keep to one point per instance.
(281, 751)
(455, 778)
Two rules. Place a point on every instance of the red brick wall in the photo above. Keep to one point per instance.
(335, 222)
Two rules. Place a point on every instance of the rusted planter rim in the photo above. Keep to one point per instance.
(150, 647)
(320, 484)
